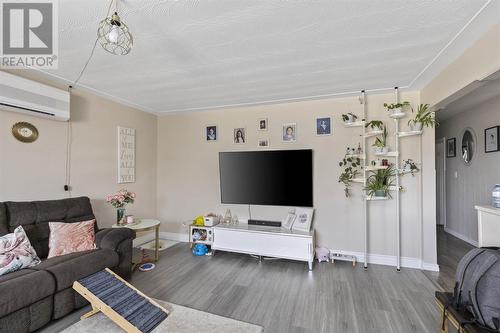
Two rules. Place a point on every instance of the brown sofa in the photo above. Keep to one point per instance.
(32, 297)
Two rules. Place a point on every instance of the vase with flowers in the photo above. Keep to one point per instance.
(119, 201)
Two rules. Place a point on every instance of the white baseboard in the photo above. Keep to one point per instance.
(163, 235)
(381, 259)
(460, 236)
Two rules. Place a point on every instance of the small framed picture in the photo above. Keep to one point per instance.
(239, 136)
(491, 139)
(303, 219)
(451, 147)
(211, 133)
(263, 126)
(263, 143)
(324, 126)
(290, 132)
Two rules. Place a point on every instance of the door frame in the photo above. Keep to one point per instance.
(442, 190)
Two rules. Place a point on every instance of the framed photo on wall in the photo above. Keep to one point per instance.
(239, 136)
(324, 126)
(289, 132)
(451, 147)
(263, 143)
(263, 124)
(211, 133)
(491, 139)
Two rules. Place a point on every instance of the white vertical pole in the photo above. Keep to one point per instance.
(365, 204)
(398, 220)
(420, 200)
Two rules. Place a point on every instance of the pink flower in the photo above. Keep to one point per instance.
(132, 194)
(120, 198)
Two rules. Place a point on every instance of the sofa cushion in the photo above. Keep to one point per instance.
(68, 268)
(16, 252)
(68, 238)
(34, 217)
(24, 287)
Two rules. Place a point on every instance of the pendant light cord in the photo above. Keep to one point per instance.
(93, 48)
(67, 166)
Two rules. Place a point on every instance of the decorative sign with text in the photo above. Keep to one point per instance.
(126, 155)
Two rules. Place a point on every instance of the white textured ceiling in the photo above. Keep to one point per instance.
(192, 55)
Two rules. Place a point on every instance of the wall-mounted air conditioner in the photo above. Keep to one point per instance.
(21, 95)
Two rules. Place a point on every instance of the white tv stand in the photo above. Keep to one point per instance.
(265, 241)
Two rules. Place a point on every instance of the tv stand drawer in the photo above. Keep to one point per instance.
(269, 244)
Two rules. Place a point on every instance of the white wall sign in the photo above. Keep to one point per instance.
(126, 155)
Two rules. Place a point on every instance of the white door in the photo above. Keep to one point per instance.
(441, 181)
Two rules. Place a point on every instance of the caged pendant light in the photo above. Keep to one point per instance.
(113, 34)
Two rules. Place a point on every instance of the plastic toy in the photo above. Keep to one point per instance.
(200, 250)
(322, 254)
(196, 235)
(199, 221)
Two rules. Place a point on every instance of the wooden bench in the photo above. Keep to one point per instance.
(455, 317)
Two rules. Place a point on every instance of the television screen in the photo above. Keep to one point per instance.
(274, 178)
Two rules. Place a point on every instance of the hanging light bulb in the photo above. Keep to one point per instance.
(114, 33)
(114, 36)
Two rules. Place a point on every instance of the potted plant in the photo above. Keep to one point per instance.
(380, 145)
(423, 117)
(379, 182)
(397, 108)
(350, 169)
(376, 125)
(349, 118)
(410, 166)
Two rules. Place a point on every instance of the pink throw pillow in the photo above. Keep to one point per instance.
(16, 252)
(71, 237)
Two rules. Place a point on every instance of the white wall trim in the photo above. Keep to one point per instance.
(462, 237)
(387, 260)
(178, 237)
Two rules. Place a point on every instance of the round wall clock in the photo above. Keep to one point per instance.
(24, 132)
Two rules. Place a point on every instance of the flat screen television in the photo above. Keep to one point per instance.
(274, 178)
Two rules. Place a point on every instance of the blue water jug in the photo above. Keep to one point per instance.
(495, 196)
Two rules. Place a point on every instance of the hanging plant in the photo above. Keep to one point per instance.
(350, 169)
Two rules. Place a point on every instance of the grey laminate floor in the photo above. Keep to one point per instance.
(283, 296)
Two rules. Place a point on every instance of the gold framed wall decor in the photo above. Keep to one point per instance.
(25, 132)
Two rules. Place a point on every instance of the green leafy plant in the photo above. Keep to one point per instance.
(345, 117)
(380, 181)
(350, 168)
(375, 124)
(409, 164)
(424, 116)
(381, 142)
(397, 105)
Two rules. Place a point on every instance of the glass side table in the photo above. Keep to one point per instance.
(142, 225)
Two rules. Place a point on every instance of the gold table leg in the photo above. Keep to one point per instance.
(157, 243)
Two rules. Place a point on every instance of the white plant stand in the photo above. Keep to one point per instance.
(399, 172)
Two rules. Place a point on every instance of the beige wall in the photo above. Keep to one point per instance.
(188, 172)
(476, 63)
(36, 171)
(474, 182)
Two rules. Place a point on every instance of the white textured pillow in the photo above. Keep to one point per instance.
(16, 252)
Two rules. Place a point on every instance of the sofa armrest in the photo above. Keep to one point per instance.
(111, 238)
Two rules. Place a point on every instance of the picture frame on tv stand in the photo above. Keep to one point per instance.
(303, 220)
